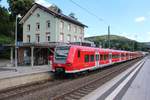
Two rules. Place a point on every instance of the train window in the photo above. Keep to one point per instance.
(123, 55)
(86, 58)
(78, 53)
(61, 52)
(101, 57)
(105, 57)
(115, 56)
(91, 58)
(97, 57)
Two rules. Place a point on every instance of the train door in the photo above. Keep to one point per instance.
(120, 57)
(110, 57)
(97, 59)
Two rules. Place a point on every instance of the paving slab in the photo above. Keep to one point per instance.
(140, 87)
(4, 62)
(15, 76)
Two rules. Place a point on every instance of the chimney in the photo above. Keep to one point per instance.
(55, 9)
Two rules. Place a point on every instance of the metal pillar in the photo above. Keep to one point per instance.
(11, 55)
(16, 60)
(32, 56)
(109, 37)
(16, 44)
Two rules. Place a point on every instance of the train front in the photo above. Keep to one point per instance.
(61, 62)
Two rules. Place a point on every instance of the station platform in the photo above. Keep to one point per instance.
(132, 84)
(16, 76)
(4, 62)
(139, 89)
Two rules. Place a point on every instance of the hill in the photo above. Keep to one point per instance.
(147, 43)
(104, 37)
(117, 42)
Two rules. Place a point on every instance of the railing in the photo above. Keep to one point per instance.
(50, 44)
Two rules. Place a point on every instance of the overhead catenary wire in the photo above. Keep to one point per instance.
(93, 14)
(100, 19)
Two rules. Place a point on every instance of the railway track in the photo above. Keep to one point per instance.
(25, 89)
(65, 89)
(86, 88)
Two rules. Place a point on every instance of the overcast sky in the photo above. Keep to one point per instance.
(129, 18)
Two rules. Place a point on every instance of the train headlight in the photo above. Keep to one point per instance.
(69, 64)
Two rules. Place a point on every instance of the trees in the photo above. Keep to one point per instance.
(7, 18)
(5, 25)
(19, 6)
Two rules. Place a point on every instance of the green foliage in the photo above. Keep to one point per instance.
(6, 40)
(6, 26)
(7, 19)
(19, 6)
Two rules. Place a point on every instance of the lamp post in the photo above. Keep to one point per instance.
(17, 16)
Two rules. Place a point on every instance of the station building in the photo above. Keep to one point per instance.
(44, 29)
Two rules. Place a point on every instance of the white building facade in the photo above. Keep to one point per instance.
(42, 25)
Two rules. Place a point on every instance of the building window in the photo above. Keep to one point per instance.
(75, 38)
(61, 37)
(37, 26)
(48, 24)
(69, 27)
(75, 29)
(81, 31)
(38, 15)
(37, 38)
(48, 37)
(80, 39)
(28, 38)
(69, 38)
(28, 27)
(61, 25)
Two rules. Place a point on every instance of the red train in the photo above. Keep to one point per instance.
(74, 59)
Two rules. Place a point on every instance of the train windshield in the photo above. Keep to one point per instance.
(61, 53)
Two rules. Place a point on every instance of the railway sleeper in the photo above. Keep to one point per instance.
(82, 91)
(96, 85)
(79, 93)
(74, 96)
(68, 98)
(88, 89)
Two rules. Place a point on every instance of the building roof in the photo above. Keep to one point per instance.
(58, 15)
